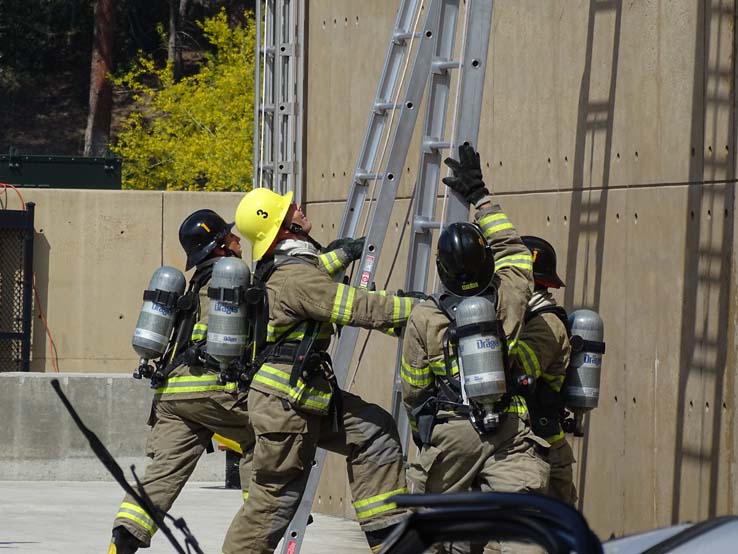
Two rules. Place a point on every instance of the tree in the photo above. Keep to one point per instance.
(196, 133)
(177, 14)
(101, 91)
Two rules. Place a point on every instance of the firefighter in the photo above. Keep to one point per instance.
(191, 405)
(459, 450)
(543, 351)
(294, 401)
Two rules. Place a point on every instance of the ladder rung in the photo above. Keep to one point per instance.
(433, 145)
(421, 224)
(441, 66)
(361, 178)
(266, 107)
(268, 50)
(400, 37)
(380, 108)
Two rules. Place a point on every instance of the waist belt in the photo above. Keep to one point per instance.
(285, 353)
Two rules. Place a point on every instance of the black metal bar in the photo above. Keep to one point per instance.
(67, 172)
(27, 310)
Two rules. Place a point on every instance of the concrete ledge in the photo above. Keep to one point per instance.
(41, 442)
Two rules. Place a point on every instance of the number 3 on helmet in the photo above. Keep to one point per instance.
(260, 215)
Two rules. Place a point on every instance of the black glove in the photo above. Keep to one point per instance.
(467, 178)
(353, 247)
(412, 294)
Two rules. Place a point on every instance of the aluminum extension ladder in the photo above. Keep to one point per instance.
(279, 72)
(431, 68)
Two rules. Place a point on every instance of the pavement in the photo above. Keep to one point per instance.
(44, 517)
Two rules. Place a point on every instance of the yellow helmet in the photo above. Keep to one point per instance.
(260, 215)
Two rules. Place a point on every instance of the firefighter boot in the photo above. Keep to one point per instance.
(123, 542)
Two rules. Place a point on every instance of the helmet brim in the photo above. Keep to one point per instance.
(261, 247)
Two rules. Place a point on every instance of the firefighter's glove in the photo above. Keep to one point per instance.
(412, 294)
(467, 175)
(352, 247)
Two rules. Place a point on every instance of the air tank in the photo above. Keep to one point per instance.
(480, 350)
(227, 321)
(158, 313)
(583, 373)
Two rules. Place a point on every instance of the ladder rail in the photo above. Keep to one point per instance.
(382, 105)
(471, 82)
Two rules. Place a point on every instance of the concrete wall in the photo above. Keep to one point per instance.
(609, 128)
(94, 254)
(42, 443)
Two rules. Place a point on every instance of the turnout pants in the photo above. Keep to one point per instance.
(561, 483)
(458, 459)
(286, 441)
(181, 432)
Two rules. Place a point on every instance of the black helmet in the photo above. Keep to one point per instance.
(465, 263)
(200, 233)
(544, 262)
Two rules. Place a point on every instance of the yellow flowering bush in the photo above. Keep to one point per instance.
(195, 134)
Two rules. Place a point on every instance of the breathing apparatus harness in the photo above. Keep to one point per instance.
(452, 395)
(305, 359)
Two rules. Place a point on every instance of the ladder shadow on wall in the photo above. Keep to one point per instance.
(700, 464)
(588, 210)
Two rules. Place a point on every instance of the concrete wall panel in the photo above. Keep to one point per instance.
(41, 442)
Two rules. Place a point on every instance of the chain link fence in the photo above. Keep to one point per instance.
(16, 288)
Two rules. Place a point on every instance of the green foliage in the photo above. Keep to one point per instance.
(195, 134)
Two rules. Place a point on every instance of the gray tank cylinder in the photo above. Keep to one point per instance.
(227, 322)
(156, 320)
(583, 374)
(480, 351)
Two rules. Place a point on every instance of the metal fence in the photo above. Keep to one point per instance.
(16, 288)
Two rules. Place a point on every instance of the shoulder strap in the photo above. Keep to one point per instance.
(446, 302)
(558, 311)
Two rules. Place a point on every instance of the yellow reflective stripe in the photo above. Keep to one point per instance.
(343, 305)
(331, 263)
(527, 358)
(494, 223)
(517, 406)
(245, 496)
(413, 424)
(417, 377)
(379, 292)
(273, 333)
(278, 379)
(401, 309)
(555, 438)
(439, 367)
(395, 308)
(199, 331)
(523, 261)
(138, 515)
(194, 383)
(376, 504)
(554, 381)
